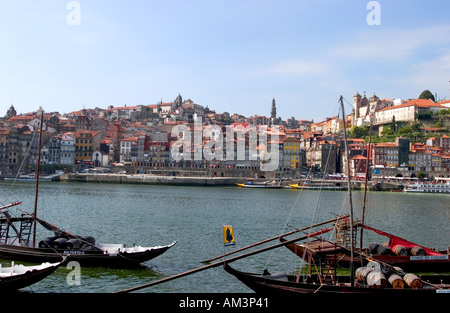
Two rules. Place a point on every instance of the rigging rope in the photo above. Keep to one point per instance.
(286, 224)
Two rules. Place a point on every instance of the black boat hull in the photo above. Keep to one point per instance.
(267, 285)
(90, 258)
(15, 282)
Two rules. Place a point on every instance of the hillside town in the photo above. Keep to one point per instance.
(386, 138)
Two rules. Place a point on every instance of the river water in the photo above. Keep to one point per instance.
(157, 215)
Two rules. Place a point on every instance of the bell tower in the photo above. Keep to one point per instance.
(273, 111)
(11, 112)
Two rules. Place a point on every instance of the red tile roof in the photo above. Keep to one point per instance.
(423, 103)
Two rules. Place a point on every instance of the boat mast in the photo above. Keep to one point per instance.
(37, 179)
(365, 184)
(349, 182)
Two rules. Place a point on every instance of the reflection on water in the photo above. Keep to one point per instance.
(153, 215)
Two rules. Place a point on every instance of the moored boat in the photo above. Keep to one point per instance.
(16, 244)
(252, 184)
(18, 276)
(438, 187)
(18, 240)
(281, 283)
(322, 277)
(395, 251)
(29, 178)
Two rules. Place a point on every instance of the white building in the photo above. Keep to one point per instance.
(67, 155)
(125, 149)
(406, 112)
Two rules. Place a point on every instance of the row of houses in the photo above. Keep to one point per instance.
(144, 137)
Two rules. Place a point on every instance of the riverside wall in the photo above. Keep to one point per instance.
(151, 179)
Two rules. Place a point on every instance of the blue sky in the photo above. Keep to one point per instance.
(229, 55)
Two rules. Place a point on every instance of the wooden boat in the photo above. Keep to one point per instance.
(281, 284)
(251, 184)
(19, 276)
(396, 251)
(16, 244)
(323, 279)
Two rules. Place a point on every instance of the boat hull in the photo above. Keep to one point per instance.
(90, 258)
(13, 283)
(428, 188)
(259, 186)
(432, 263)
(288, 285)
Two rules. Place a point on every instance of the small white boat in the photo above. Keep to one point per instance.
(29, 178)
(19, 276)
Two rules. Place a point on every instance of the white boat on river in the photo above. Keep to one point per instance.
(438, 187)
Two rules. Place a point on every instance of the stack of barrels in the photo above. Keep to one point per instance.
(383, 249)
(374, 276)
(61, 242)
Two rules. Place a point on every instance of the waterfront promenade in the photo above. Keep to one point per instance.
(117, 178)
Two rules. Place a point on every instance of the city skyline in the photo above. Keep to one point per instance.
(230, 56)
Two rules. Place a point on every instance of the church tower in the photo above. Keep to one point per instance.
(273, 111)
(178, 101)
(11, 112)
(356, 104)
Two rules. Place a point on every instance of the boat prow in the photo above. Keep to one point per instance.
(20, 276)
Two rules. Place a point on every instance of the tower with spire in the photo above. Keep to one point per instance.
(273, 111)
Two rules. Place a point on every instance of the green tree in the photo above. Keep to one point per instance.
(439, 124)
(359, 132)
(407, 130)
(424, 116)
(421, 175)
(426, 94)
(415, 127)
(387, 131)
(443, 112)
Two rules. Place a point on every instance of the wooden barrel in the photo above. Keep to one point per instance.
(376, 279)
(59, 243)
(413, 281)
(400, 250)
(383, 250)
(362, 272)
(74, 243)
(396, 281)
(46, 242)
(373, 248)
(418, 251)
(88, 242)
(375, 266)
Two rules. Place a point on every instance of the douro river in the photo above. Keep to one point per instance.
(194, 216)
